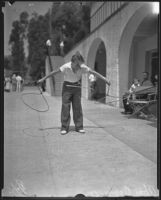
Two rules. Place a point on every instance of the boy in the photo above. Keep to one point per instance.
(71, 92)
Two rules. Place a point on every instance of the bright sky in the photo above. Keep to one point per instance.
(12, 13)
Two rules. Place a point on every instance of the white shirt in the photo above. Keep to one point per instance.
(132, 88)
(70, 76)
(18, 78)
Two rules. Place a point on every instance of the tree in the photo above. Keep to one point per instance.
(38, 33)
(16, 41)
(84, 24)
(68, 23)
(8, 62)
(65, 21)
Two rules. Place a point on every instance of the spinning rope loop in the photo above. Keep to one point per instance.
(33, 93)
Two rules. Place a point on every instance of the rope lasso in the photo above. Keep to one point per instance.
(123, 97)
(118, 98)
(33, 93)
(48, 44)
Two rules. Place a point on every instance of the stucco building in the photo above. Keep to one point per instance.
(123, 42)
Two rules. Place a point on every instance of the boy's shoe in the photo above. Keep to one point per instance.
(81, 131)
(63, 132)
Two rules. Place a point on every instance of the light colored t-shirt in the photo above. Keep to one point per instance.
(18, 78)
(70, 76)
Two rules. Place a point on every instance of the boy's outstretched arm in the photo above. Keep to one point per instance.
(100, 76)
(47, 76)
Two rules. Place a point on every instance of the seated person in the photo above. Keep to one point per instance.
(146, 81)
(129, 95)
(155, 80)
(145, 96)
(155, 84)
(136, 83)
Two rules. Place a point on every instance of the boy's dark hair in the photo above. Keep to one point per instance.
(77, 57)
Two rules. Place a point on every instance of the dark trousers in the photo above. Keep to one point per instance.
(127, 107)
(71, 94)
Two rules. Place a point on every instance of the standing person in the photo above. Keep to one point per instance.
(14, 82)
(71, 92)
(22, 83)
(93, 82)
(19, 79)
(7, 84)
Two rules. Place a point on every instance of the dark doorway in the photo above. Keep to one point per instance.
(99, 92)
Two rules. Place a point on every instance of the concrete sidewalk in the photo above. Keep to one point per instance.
(115, 157)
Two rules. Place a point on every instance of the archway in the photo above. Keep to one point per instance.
(97, 61)
(139, 36)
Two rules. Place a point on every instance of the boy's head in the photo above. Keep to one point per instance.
(77, 58)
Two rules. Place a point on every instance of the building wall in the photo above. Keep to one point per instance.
(95, 6)
(100, 11)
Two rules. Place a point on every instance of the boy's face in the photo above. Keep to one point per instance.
(75, 65)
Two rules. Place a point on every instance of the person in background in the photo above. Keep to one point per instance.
(14, 82)
(19, 79)
(22, 83)
(155, 80)
(146, 81)
(7, 84)
(129, 95)
(93, 83)
(155, 84)
(136, 83)
(71, 92)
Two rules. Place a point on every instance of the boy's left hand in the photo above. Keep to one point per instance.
(40, 81)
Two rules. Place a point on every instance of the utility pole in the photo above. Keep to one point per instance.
(50, 29)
